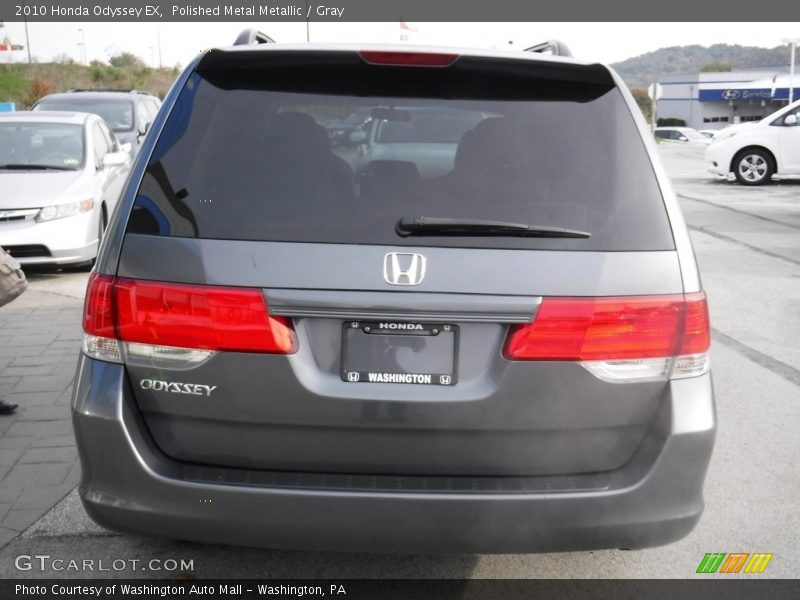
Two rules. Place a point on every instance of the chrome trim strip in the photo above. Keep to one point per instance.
(463, 308)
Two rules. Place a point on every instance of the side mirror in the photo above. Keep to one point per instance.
(358, 137)
(115, 159)
(790, 120)
(683, 138)
(143, 129)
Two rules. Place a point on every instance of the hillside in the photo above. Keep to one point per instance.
(642, 70)
(24, 83)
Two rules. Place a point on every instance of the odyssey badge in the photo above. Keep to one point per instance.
(194, 389)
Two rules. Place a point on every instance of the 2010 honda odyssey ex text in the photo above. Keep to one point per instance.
(472, 324)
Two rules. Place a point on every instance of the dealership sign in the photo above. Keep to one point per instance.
(733, 94)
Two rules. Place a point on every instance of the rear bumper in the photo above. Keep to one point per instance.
(129, 485)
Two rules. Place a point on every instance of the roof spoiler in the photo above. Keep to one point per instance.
(249, 37)
(553, 47)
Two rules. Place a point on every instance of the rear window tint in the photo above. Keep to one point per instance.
(339, 155)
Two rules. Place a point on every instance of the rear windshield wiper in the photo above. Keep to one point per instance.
(479, 227)
(22, 167)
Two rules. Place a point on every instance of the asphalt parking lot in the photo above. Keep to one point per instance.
(748, 245)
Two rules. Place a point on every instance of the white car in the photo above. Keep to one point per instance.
(756, 152)
(683, 135)
(61, 175)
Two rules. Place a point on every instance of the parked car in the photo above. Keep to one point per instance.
(509, 356)
(755, 152)
(681, 135)
(339, 130)
(428, 137)
(61, 175)
(129, 112)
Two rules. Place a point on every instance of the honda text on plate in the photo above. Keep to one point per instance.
(488, 336)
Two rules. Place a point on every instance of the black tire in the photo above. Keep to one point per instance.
(753, 166)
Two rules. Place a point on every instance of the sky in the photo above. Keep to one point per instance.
(180, 42)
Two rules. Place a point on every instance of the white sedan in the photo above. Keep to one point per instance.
(61, 175)
(755, 152)
(683, 135)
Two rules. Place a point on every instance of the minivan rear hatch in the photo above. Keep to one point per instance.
(297, 299)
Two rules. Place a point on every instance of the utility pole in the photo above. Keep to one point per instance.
(158, 39)
(27, 39)
(793, 46)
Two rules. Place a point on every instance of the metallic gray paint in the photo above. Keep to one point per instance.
(503, 418)
(129, 485)
(680, 233)
(533, 423)
(360, 268)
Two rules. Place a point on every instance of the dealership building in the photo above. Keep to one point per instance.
(715, 100)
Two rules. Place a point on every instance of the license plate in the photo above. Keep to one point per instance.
(399, 352)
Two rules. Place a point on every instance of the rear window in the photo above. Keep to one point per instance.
(257, 153)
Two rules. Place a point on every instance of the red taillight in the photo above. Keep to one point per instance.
(184, 316)
(408, 59)
(98, 314)
(585, 329)
(696, 329)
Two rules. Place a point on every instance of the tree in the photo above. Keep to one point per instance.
(126, 60)
(39, 88)
(644, 102)
(717, 67)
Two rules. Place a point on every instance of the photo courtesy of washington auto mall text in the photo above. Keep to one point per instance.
(399, 300)
(195, 589)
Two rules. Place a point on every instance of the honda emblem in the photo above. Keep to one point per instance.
(403, 268)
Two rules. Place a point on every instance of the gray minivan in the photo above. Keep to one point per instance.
(284, 350)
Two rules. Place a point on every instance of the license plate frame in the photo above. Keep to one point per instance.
(376, 351)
